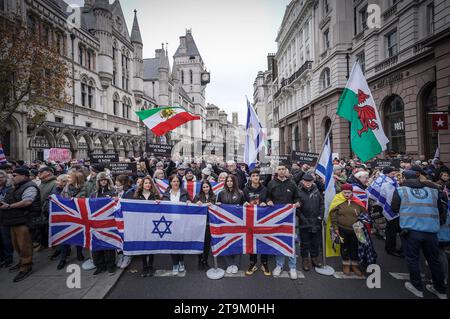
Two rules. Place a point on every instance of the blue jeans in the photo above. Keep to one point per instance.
(415, 241)
(6, 247)
(292, 262)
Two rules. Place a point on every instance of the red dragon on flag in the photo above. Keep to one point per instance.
(366, 114)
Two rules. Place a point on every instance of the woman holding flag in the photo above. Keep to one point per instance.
(206, 196)
(147, 191)
(345, 209)
(175, 193)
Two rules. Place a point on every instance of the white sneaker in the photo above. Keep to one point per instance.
(126, 261)
(175, 270)
(119, 260)
(229, 270)
(293, 274)
(235, 269)
(181, 267)
(431, 289)
(88, 265)
(277, 271)
(413, 289)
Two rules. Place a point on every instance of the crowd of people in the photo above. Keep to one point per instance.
(413, 208)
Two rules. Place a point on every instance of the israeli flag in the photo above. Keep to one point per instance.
(164, 228)
(325, 171)
(254, 139)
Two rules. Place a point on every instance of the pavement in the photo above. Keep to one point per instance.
(46, 282)
(195, 285)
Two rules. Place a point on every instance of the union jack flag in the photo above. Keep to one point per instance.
(252, 229)
(162, 185)
(361, 194)
(95, 224)
(2, 155)
(193, 187)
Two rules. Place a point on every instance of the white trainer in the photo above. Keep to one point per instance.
(277, 271)
(126, 261)
(229, 270)
(293, 274)
(181, 267)
(119, 260)
(175, 270)
(431, 289)
(235, 269)
(413, 289)
(88, 265)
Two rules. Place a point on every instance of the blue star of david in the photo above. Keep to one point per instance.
(381, 182)
(156, 230)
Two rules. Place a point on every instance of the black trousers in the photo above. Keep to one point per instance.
(147, 262)
(254, 259)
(309, 243)
(349, 249)
(207, 246)
(104, 259)
(176, 259)
(392, 229)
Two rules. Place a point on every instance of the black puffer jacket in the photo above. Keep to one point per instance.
(20, 216)
(311, 210)
(282, 192)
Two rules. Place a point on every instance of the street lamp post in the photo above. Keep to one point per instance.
(72, 37)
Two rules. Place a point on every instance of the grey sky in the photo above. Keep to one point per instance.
(233, 37)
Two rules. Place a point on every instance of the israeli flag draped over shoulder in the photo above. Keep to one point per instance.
(381, 191)
(164, 228)
(254, 138)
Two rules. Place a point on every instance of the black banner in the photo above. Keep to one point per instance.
(305, 157)
(104, 158)
(123, 168)
(278, 159)
(159, 149)
(386, 163)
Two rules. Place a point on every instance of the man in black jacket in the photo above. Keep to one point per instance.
(233, 170)
(256, 194)
(282, 190)
(310, 215)
(15, 211)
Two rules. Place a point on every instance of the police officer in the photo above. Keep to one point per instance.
(422, 211)
(19, 204)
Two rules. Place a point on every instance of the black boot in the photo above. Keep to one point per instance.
(61, 265)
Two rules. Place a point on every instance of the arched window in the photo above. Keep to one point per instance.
(429, 105)
(116, 104)
(80, 54)
(91, 94)
(325, 79)
(124, 107)
(191, 76)
(394, 116)
(83, 91)
(182, 76)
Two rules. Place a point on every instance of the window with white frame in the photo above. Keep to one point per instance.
(326, 39)
(391, 44)
(361, 58)
(325, 79)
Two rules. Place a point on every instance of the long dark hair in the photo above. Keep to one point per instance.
(202, 195)
(235, 189)
(140, 190)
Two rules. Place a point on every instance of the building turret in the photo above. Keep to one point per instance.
(103, 31)
(163, 71)
(136, 40)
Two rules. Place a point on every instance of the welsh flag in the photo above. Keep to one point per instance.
(357, 105)
(164, 119)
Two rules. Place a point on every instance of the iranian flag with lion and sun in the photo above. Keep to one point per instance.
(165, 119)
(358, 106)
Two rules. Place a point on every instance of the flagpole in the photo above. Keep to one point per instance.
(325, 269)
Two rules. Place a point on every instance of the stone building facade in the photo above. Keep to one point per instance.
(405, 60)
(111, 80)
